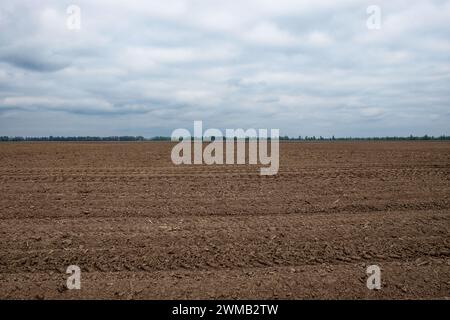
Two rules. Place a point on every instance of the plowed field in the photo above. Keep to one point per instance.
(140, 227)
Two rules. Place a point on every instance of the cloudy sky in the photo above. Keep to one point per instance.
(307, 67)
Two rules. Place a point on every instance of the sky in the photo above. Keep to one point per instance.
(312, 67)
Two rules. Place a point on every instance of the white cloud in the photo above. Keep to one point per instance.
(81, 105)
(305, 66)
(319, 39)
(269, 34)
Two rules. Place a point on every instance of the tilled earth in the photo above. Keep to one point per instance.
(140, 227)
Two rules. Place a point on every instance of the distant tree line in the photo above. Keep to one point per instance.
(163, 138)
(78, 138)
(387, 138)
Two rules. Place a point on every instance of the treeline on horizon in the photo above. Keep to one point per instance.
(163, 138)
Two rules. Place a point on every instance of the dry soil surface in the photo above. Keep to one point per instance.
(140, 227)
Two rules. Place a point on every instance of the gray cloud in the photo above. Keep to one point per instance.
(146, 68)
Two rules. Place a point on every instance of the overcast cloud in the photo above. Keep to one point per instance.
(148, 67)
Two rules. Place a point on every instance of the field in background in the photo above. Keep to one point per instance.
(142, 228)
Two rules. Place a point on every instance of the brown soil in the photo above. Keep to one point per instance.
(142, 228)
